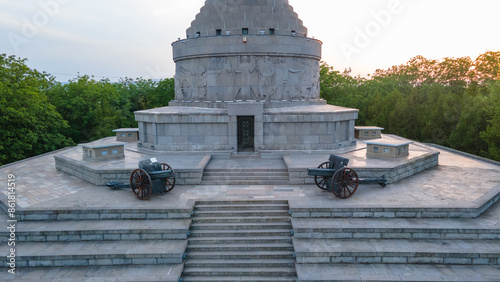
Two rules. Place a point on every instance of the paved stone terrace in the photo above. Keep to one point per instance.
(458, 182)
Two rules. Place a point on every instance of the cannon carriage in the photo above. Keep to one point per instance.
(336, 177)
(150, 178)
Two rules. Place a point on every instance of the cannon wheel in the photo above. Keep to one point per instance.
(140, 181)
(345, 183)
(321, 180)
(169, 181)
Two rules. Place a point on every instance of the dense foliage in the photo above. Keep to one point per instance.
(39, 115)
(94, 108)
(453, 102)
(29, 124)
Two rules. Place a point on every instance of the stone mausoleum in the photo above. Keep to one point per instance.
(247, 80)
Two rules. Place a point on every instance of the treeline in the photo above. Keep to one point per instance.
(39, 115)
(453, 102)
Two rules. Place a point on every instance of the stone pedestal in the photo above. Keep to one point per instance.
(368, 132)
(103, 151)
(317, 127)
(127, 134)
(387, 148)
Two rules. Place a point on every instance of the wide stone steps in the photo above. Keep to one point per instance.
(397, 228)
(240, 226)
(371, 248)
(103, 214)
(220, 263)
(242, 213)
(99, 230)
(242, 203)
(393, 251)
(225, 247)
(237, 271)
(240, 255)
(234, 241)
(248, 219)
(396, 272)
(246, 182)
(239, 233)
(246, 173)
(132, 273)
(123, 252)
(240, 240)
(97, 249)
(232, 207)
(245, 177)
(240, 278)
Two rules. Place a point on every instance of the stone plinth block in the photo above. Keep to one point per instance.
(103, 150)
(387, 148)
(127, 134)
(368, 132)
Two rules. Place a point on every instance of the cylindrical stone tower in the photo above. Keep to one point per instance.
(247, 80)
(241, 50)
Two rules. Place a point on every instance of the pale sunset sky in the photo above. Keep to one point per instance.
(131, 38)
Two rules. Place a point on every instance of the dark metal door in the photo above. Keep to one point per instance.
(246, 134)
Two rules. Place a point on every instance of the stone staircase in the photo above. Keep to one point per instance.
(244, 169)
(99, 249)
(392, 248)
(245, 177)
(240, 240)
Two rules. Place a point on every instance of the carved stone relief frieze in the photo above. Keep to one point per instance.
(247, 78)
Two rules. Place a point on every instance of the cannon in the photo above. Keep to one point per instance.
(151, 177)
(336, 177)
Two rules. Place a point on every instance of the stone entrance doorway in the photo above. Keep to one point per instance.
(246, 134)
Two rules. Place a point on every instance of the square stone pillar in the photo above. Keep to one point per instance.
(350, 130)
(259, 133)
(232, 133)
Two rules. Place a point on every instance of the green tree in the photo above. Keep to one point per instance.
(30, 124)
(487, 67)
(163, 93)
(473, 120)
(145, 94)
(92, 108)
(492, 133)
(383, 110)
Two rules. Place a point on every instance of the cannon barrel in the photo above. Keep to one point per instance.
(382, 181)
(160, 174)
(323, 172)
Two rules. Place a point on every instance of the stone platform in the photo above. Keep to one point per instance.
(190, 168)
(460, 186)
(446, 208)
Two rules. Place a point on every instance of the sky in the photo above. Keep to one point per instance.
(131, 38)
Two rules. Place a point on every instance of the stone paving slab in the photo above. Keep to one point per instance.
(396, 272)
(97, 273)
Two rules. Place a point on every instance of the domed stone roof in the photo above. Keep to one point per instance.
(224, 17)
